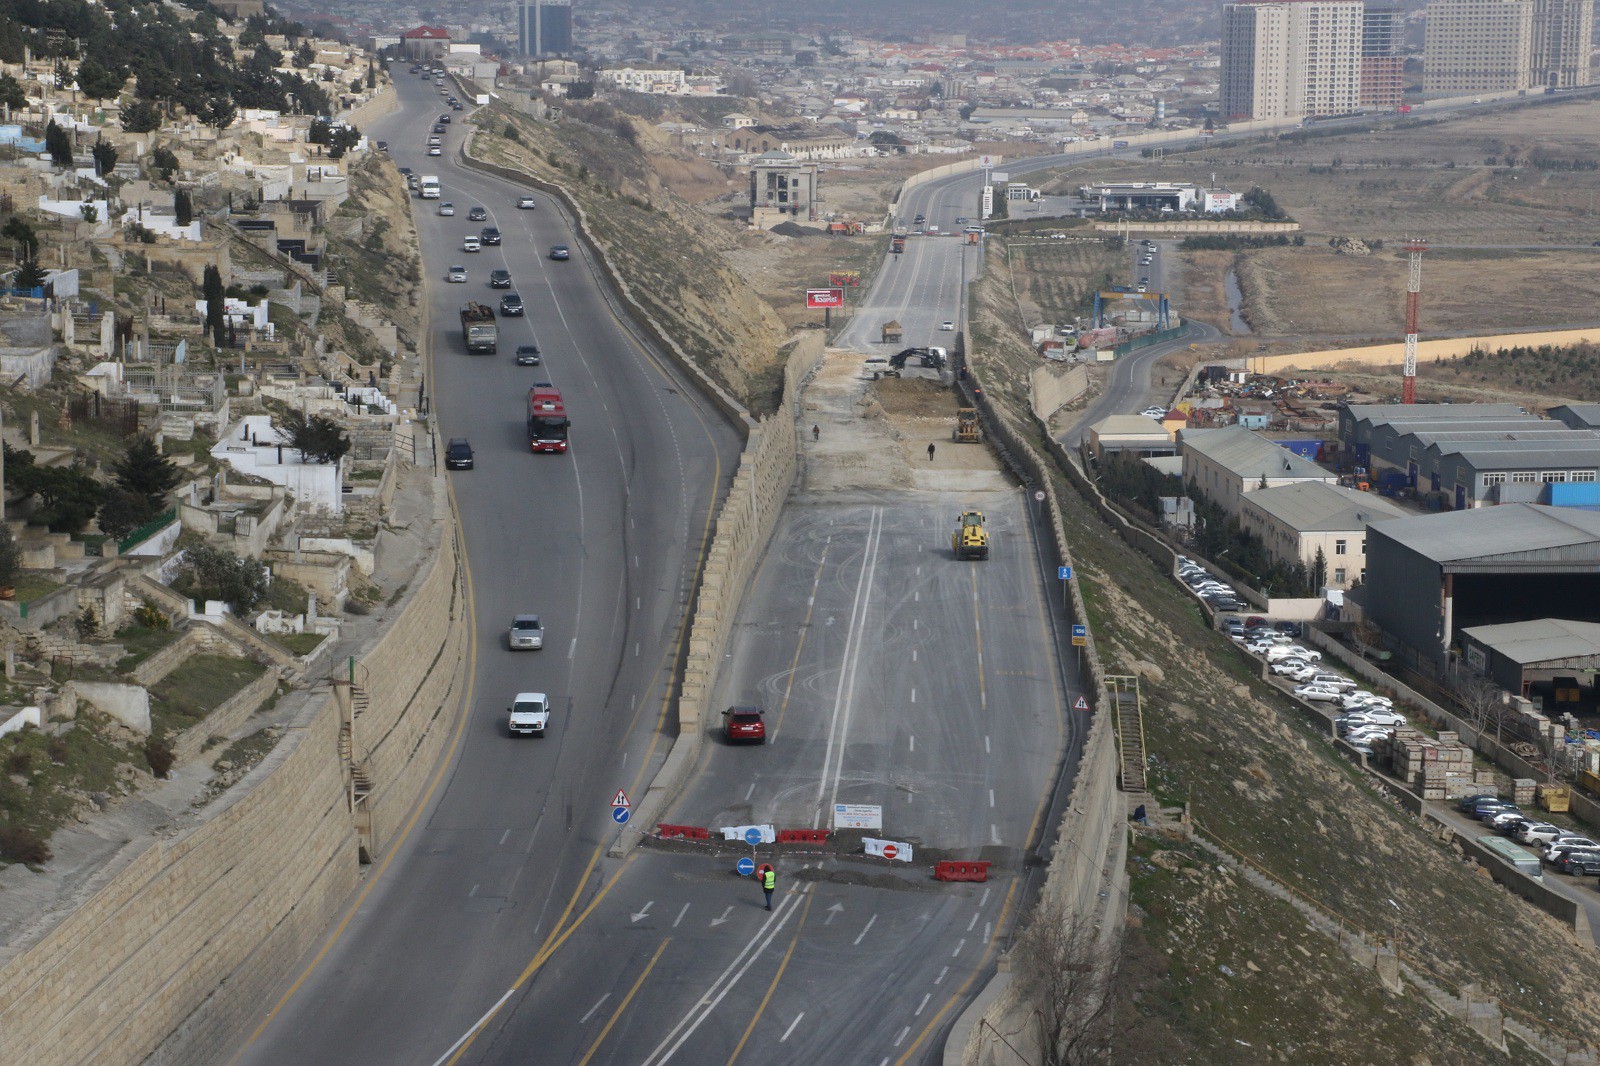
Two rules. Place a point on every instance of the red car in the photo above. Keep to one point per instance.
(744, 724)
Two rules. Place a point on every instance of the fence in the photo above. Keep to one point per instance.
(148, 530)
(1145, 340)
(120, 416)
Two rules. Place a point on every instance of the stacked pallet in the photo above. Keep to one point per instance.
(1435, 769)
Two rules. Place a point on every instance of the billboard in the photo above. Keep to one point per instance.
(825, 298)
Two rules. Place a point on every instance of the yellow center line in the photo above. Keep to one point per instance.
(805, 627)
(624, 1004)
(959, 994)
(551, 946)
(773, 987)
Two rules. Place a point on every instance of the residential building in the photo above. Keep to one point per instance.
(782, 189)
(1289, 58)
(1227, 463)
(544, 27)
(1383, 27)
(629, 79)
(1295, 522)
(1563, 36)
(1477, 46)
(425, 42)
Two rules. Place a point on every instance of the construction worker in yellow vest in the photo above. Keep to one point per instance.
(768, 877)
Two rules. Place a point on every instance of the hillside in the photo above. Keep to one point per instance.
(671, 255)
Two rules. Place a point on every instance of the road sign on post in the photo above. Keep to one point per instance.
(746, 866)
(620, 815)
(620, 799)
(752, 836)
(1080, 636)
(1064, 574)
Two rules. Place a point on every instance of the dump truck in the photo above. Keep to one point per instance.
(966, 430)
(897, 243)
(971, 539)
(892, 332)
(478, 330)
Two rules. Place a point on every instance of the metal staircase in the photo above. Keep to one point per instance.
(1126, 706)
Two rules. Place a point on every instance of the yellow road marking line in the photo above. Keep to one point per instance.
(773, 987)
(624, 1004)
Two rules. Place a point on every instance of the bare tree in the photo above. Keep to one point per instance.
(1364, 637)
(1484, 703)
(1066, 970)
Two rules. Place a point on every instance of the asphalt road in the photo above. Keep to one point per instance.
(603, 542)
(892, 675)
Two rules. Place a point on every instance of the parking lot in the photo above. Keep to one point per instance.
(1540, 843)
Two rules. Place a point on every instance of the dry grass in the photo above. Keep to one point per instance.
(1056, 280)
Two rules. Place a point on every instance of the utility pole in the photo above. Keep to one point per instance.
(1415, 246)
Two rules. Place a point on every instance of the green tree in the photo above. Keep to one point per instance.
(317, 438)
(183, 207)
(90, 213)
(11, 94)
(219, 112)
(304, 56)
(122, 512)
(97, 81)
(68, 495)
(372, 76)
(164, 162)
(58, 142)
(140, 116)
(26, 237)
(212, 292)
(1318, 575)
(10, 556)
(219, 574)
(105, 156)
(29, 275)
(143, 470)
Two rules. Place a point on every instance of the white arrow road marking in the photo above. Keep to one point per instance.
(718, 921)
(644, 912)
(834, 912)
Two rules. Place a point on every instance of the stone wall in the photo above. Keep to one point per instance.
(224, 719)
(180, 941)
(1051, 388)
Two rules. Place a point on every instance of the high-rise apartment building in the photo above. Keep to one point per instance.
(1563, 35)
(544, 27)
(1289, 58)
(1382, 66)
(1477, 46)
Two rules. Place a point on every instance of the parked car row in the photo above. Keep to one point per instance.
(1565, 851)
(1204, 584)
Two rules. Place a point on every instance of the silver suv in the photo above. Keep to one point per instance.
(526, 632)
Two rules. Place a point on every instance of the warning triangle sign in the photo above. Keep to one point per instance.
(621, 799)
(1081, 705)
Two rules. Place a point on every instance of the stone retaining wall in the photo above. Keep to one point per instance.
(224, 719)
(183, 940)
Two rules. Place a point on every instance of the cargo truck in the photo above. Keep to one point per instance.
(547, 419)
(478, 330)
(429, 188)
(897, 243)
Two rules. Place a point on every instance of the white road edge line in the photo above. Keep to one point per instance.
(792, 1024)
(462, 1039)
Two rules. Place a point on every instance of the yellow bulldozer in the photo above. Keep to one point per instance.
(971, 539)
(966, 429)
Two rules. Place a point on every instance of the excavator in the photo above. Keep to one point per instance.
(971, 539)
(932, 358)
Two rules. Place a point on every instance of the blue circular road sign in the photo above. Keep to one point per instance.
(752, 836)
(746, 867)
(619, 815)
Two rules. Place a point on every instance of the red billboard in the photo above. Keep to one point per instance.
(824, 298)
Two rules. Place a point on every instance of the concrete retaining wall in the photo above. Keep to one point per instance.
(182, 940)
(1051, 388)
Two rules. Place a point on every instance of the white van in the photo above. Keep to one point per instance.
(1334, 681)
(429, 188)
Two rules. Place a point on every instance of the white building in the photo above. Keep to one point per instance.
(1297, 521)
(254, 447)
(1289, 58)
(1228, 463)
(634, 80)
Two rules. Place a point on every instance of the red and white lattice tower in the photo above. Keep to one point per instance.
(1415, 246)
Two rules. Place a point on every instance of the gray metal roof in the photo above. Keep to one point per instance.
(1423, 412)
(1528, 454)
(1248, 455)
(1577, 414)
(1540, 639)
(1513, 529)
(1542, 429)
(1317, 507)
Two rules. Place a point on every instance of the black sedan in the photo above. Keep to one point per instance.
(458, 455)
(511, 305)
(528, 355)
(499, 279)
(490, 235)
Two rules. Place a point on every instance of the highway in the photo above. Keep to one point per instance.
(603, 542)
